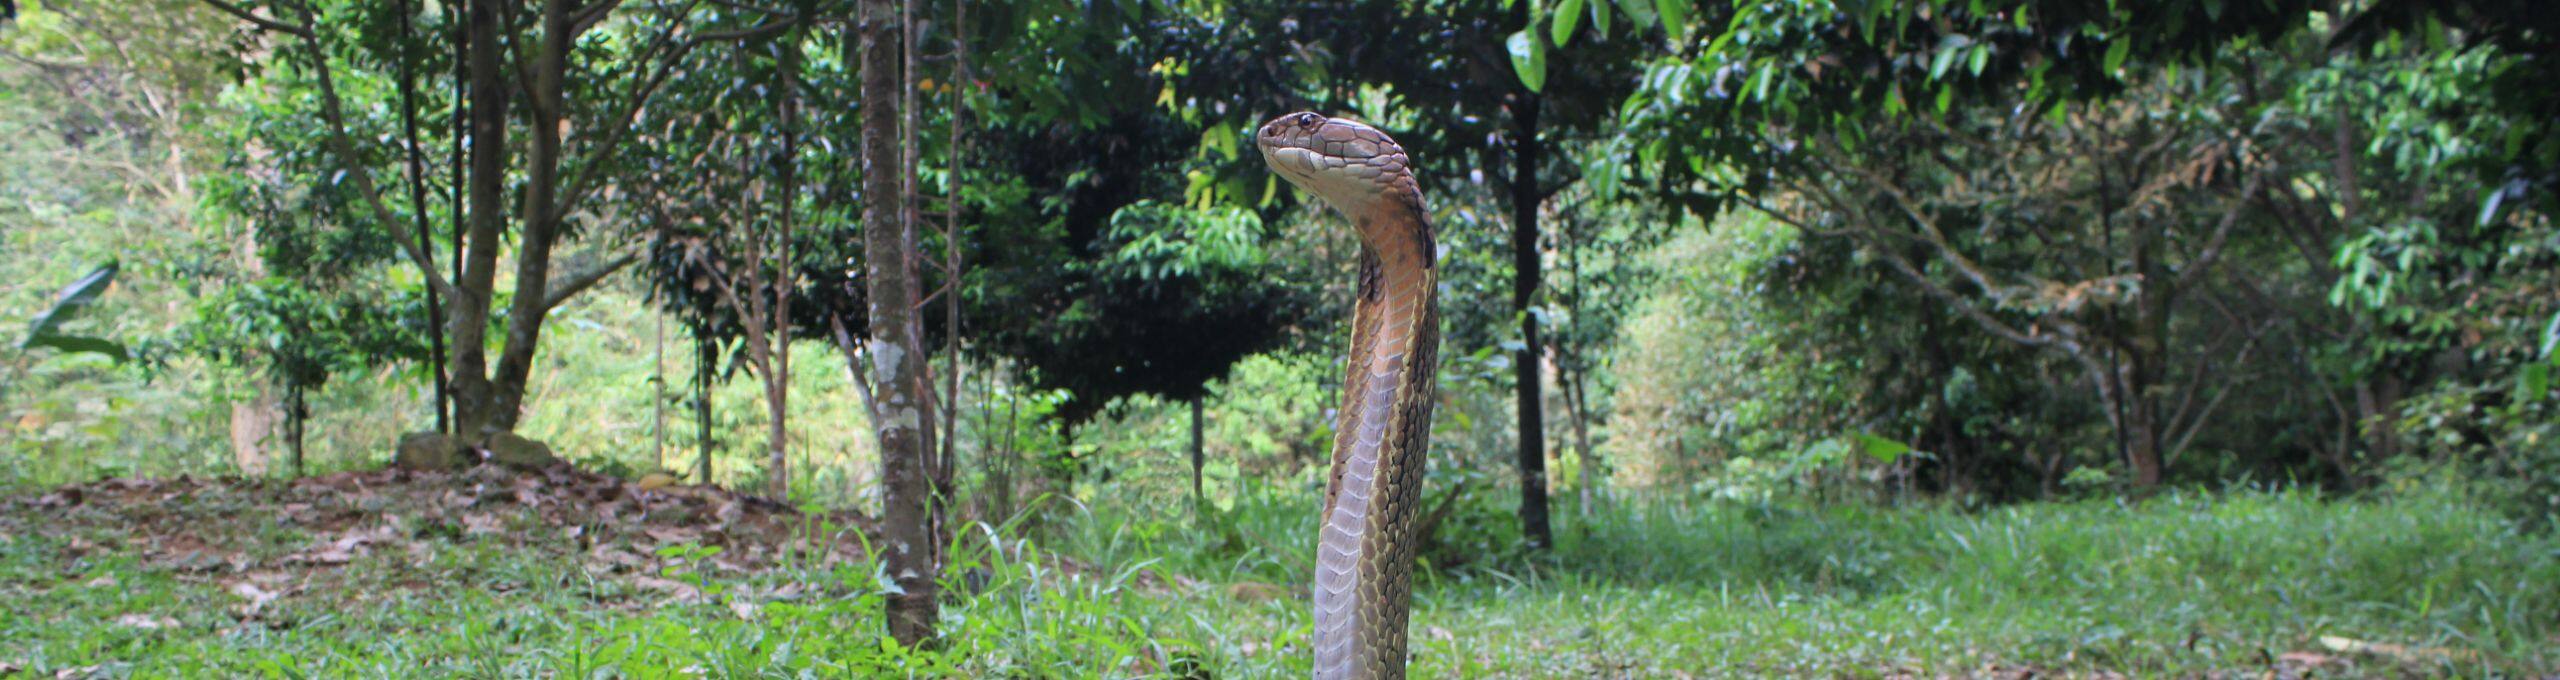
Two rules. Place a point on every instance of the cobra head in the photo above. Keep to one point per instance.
(1347, 163)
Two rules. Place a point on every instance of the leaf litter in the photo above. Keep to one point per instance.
(269, 540)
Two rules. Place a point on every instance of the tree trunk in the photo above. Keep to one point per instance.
(777, 389)
(896, 347)
(2150, 341)
(418, 220)
(251, 423)
(1524, 290)
(540, 228)
(658, 395)
(2377, 405)
(951, 269)
(705, 361)
(1001, 458)
(491, 93)
(296, 415)
(2142, 435)
(777, 405)
(1198, 500)
(1578, 412)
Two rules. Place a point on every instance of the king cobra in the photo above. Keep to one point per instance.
(1365, 550)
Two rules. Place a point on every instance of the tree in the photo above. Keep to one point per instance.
(300, 338)
(2152, 198)
(722, 187)
(111, 110)
(904, 412)
(508, 53)
(1148, 270)
(1600, 236)
(1803, 112)
(1551, 87)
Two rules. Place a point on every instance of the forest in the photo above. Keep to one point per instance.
(945, 338)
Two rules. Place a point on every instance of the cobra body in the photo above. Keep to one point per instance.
(1365, 551)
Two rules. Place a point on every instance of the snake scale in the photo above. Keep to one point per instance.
(1365, 550)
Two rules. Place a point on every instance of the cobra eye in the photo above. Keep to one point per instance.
(1306, 119)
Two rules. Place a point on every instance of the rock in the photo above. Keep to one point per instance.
(514, 450)
(657, 480)
(432, 451)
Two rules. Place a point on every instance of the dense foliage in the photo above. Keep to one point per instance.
(1952, 255)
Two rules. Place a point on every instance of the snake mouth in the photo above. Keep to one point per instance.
(1332, 139)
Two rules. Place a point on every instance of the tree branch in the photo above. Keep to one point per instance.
(1550, 191)
(2204, 261)
(587, 17)
(2228, 383)
(658, 52)
(573, 284)
(614, 129)
(2299, 231)
(764, 30)
(262, 22)
(332, 111)
(1783, 218)
(1931, 233)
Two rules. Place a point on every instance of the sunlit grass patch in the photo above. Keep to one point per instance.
(2181, 585)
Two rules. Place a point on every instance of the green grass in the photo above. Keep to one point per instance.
(2181, 585)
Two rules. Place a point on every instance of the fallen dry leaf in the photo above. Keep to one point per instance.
(595, 519)
(257, 597)
(682, 591)
(482, 524)
(146, 621)
(2397, 652)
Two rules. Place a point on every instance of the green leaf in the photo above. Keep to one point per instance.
(68, 303)
(2116, 54)
(2551, 337)
(2489, 205)
(1882, 449)
(1529, 59)
(76, 344)
(2536, 380)
(1568, 16)
(1600, 16)
(1675, 17)
(1639, 12)
(1716, 48)
(1945, 56)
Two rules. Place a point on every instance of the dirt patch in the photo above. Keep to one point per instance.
(266, 538)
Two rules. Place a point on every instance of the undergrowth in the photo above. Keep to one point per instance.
(2186, 584)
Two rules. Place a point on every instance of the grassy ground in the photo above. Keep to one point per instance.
(230, 582)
